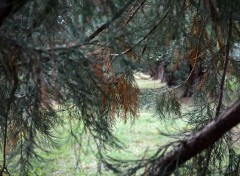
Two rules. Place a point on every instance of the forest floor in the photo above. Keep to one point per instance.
(141, 138)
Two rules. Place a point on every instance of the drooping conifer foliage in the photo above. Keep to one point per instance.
(78, 57)
(198, 40)
(51, 62)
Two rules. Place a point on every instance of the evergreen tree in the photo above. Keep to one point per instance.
(78, 56)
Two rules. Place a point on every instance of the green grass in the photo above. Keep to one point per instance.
(149, 84)
(140, 138)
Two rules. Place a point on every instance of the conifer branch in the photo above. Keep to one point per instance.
(5, 9)
(145, 36)
(196, 143)
(225, 65)
(9, 6)
(88, 39)
(107, 24)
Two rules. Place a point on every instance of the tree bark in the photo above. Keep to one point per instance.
(194, 78)
(225, 65)
(159, 72)
(197, 142)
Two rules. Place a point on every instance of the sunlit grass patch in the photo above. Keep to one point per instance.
(149, 84)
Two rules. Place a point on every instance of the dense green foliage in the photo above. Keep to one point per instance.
(78, 57)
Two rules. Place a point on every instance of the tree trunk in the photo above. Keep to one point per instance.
(196, 143)
(159, 71)
(188, 91)
(195, 77)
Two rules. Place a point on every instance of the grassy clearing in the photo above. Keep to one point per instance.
(149, 84)
(146, 82)
(138, 136)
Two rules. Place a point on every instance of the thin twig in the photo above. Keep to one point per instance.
(136, 10)
(144, 37)
(225, 65)
(5, 135)
(194, 65)
(77, 44)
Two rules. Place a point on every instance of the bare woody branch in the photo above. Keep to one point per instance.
(196, 143)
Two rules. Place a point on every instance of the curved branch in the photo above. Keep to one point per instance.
(196, 143)
(93, 35)
(225, 65)
(107, 24)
